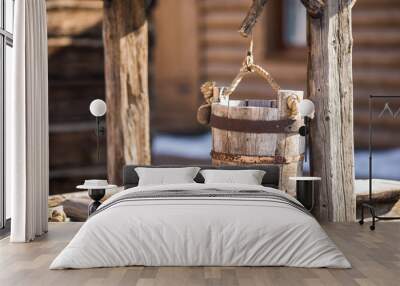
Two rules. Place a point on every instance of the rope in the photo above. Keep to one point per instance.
(248, 67)
(207, 89)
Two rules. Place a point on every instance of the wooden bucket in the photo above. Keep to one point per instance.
(259, 132)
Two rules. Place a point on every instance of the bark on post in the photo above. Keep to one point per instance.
(251, 17)
(330, 87)
(314, 7)
(126, 72)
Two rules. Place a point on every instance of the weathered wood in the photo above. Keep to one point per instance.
(243, 148)
(315, 8)
(330, 87)
(126, 72)
(289, 145)
(240, 143)
(251, 17)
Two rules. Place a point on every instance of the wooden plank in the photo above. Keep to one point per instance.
(75, 19)
(380, 17)
(241, 148)
(241, 143)
(370, 38)
(383, 138)
(73, 4)
(77, 62)
(367, 57)
(224, 5)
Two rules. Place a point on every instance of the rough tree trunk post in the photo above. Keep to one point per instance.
(126, 71)
(330, 87)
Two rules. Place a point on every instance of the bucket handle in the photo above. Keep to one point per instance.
(250, 67)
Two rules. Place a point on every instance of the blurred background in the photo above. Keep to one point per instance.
(192, 41)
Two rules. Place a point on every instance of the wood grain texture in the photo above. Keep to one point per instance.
(251, 18)
(315, 8)
(240, 143)
(330, 87)
(289, 145)
(375, 257)
(245, 148)
(126, 71)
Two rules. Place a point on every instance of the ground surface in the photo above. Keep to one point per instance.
(375, 257)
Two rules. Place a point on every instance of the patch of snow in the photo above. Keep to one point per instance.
(194, 146)
(378, 186)
(386, 163)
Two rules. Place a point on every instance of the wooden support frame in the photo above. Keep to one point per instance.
(330, 87)
(125, 38)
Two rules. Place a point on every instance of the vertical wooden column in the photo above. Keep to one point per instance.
(330, 87)
(126, 71)
(290, 146)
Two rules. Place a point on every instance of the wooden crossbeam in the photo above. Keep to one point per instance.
(315, 9)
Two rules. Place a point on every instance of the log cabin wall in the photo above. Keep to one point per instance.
(76, 77)
(376, 68)
(195, 42)
(176, 69)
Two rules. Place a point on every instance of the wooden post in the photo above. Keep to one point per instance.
(126, 72)
(330, 87)
(289, 145)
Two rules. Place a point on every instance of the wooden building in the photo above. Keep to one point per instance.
(76, 77)
(194, 42)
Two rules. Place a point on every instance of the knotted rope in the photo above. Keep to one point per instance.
(207, 89)
(248, 67)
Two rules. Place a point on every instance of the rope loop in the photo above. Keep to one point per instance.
(249, 66)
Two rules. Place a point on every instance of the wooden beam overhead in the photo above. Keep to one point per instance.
(251, 17)
(315, 9)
